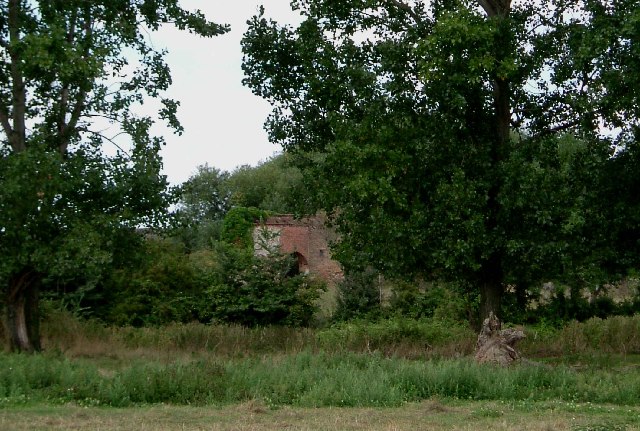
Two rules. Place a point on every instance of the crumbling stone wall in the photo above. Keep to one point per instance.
(308, 239)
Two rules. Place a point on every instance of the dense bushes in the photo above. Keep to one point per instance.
(367, 295)
(162, 288)
(260, 291)
(224, 284)
(166, 280)
(359, 296)
(562, 304)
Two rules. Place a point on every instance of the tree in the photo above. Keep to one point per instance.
(203, 195)
(204, 201)
(65, 65)
(206, 197)
(273, 185)
(458, 140)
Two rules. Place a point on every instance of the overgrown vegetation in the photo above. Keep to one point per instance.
(63, 198)
(450, 200)
(262, 291)
(484, 143)
(348, 365)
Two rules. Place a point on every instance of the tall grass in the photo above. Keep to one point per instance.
(372, 380)
(62, 332)
(353, 364)
(55, 379)
(614, 335)
(303, 379)
(396, 337)
(399, 337)
(404, 337)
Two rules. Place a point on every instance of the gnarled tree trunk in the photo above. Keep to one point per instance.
(496, 345)
(22, 317)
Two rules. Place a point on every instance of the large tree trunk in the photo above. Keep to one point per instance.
(16, 135)
(22, 312)
(490, 299)
(491, 284)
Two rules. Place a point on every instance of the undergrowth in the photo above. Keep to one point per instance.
(304, 379)
(384, 363)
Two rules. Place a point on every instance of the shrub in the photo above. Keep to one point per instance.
(565, 308)
(258, 291)
(237, 227)
(359, 296)
(165, 287)
(418, 300)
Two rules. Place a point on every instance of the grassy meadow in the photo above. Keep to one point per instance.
(396, 374)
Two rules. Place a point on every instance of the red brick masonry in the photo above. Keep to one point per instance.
(307, 238)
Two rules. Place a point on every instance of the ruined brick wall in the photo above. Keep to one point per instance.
(308, 239)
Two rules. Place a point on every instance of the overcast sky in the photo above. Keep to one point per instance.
(223, 120)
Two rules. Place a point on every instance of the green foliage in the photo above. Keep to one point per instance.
(203, 202)
(202, 196)
(161, 283)
(258, 291)
(207, 197)
(62, 197)
(416, 300)
(367, 295)
(359, 296)
(561, 309)
(272, 185)
(462, 143)
(238, 225)
(558, 304)
(165, 286)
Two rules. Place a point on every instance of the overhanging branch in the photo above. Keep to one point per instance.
(496, 7)
(558, 128)
(405, 7)
(4, 120)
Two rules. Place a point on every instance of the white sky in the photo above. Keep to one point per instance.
(223, 120)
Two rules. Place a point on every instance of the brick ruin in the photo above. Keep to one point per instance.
(307, 239)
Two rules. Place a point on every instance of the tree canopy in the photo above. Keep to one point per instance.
(273, 185)
(207, 196)
(71, 195)
(459, 140)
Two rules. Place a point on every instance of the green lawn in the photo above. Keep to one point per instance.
(255, 416)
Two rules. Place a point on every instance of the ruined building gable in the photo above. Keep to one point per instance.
(307, 239)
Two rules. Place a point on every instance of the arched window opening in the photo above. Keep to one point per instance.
(299, 266)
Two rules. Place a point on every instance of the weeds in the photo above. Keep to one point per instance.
(56, 379)
(387, 363)
(305, 379)
(400, 337)
(617, 334)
